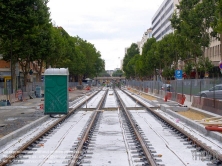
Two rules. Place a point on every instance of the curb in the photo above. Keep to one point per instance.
(196, 126)
(21, 131)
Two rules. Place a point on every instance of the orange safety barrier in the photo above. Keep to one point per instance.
(214, 128)
(165, 98)
(41, 106)
(169, 95)
(71, 89)
(87, 88)
(181, 98)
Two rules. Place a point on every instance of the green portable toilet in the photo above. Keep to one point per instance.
(56, 91)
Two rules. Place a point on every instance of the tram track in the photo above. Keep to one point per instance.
(200, 149)
(113, 127)
(85, 139)
(15, 152)
(140, 139)
(134, 143)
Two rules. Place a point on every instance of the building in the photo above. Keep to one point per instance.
(161, 24)
(5, 74)
(121, 64)
(146, 35)
(213, 52)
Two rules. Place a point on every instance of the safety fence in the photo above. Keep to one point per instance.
(31, 90)
(202, 93)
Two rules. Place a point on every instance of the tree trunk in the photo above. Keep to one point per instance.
(25, 79)
(221, 47)
(13, 77)
(25, 70)
(38, 70)
(196, 75)
(80, 79)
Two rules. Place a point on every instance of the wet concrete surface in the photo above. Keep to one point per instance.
(20, 114)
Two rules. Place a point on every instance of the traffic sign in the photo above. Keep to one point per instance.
(178, 74)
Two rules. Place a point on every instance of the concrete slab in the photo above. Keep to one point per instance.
(23, 113)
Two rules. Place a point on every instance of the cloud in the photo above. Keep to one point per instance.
(109, 25)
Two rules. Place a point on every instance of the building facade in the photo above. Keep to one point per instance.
(213, 52)
(161, 24)
(146, 35)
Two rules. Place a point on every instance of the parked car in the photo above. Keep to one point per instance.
(214, 92)
(167, 87)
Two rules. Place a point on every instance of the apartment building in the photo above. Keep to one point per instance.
(146, 35)
(161, 24)
(213, 52)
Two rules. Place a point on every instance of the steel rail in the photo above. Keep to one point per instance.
(77, 153)
(13, 155)
(188, 135)
(139, 138)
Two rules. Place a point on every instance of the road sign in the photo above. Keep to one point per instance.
(178, 74)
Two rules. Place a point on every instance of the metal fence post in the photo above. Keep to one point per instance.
(200, 91)
(190, 89)
(182, 87)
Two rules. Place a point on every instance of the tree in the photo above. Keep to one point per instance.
(82, 59)
(131, 52)
(192, 24)
(153, 59)
(104, 74)
(117, 73)
(43, 48)
(21, 24)
(145, 70)
(217, 23)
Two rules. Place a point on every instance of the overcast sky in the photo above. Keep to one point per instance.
(110, 25)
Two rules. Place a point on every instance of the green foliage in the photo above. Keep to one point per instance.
(118, 73)
(27, 36)
(104, 74)
(168, 72)
(205, 65)
(128, 65)
(217, 19)
(82, 58)
(192, 25)
(188, 68)
(145, 69)
(22, 29)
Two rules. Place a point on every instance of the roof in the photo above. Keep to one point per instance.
(56, 71)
